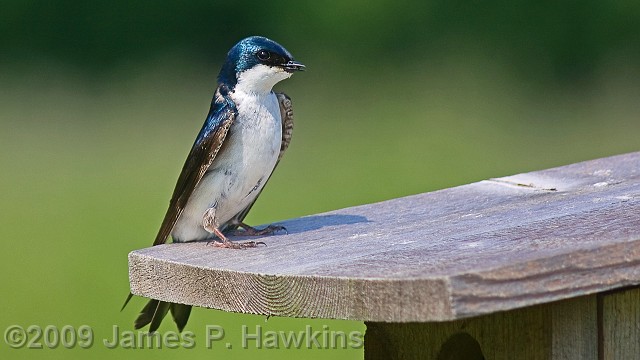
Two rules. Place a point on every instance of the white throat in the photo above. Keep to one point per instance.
(260, 79)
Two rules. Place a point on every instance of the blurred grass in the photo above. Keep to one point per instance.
(89, 163)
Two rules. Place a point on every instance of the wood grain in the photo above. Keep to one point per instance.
(519, 334)
(476, 249)
(574, 329)
(621, 325)
(563, 330)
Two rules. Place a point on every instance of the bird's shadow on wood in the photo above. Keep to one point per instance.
(308, 223)
(315, 222)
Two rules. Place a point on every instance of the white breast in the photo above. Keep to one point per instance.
(240, 169)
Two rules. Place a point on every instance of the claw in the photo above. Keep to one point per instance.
(251, 231)
(236, 245)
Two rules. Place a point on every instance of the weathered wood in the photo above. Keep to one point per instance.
(476, 249)
(564, 330)
(621, 325)
(574, 329)
(518, 334)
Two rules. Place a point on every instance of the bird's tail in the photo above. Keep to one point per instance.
(154, 312)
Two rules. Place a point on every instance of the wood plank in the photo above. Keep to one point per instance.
(621, 325)
(476, 249)
(562, 330)
(574, 329)
(519, 334)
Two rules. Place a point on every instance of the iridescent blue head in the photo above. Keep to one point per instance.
(256, 63)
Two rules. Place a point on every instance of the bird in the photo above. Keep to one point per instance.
(244, 136)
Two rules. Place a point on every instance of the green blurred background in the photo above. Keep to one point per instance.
(100, 103)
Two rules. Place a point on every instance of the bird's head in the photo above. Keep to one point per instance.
(256, 64)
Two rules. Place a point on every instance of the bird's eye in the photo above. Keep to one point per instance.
(263, 55)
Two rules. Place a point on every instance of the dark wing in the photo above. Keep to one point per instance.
(286, 112)
(221, 114)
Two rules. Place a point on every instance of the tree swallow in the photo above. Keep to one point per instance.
(243, 138)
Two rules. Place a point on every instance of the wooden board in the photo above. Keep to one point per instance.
(621, 325)
(562, 330)
(476, 249)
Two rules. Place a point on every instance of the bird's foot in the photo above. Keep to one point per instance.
(227, 244)
(236, 245)
(251, 231)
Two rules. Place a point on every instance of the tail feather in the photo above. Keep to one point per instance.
(160, 312)
(154, 312)
(180, 314)
(126, 301)
(146, 314)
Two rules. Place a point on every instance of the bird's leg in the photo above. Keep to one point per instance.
(251, 231)
(209, 224)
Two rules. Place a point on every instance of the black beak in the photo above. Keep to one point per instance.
(293, 65)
